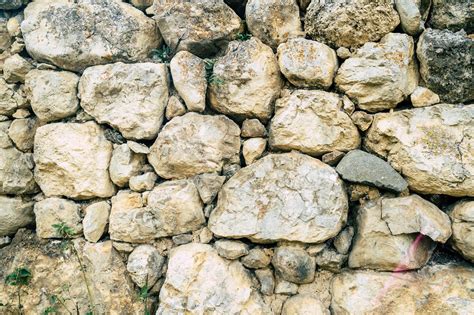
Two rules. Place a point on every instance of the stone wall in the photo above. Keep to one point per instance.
(236, 157)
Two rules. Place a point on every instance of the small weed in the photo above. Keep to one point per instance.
(210, 76)
(143, 295)
(57, 300)
(243, 36)
(19, 278)
(162, 54)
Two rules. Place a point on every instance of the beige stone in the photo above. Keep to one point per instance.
(267, 281)
(252, 149)
(303, 305)
(294, 264)
(22, 133)
(208, 186)
(143, 182)
(411, 18)
(16, 172)
(362, 120)
(15, 69)
(11, 98)
(257, 258)
(422, 97)
(462, 216)
(231, 249)
(15, 213)
(253, 128)
(124, 164)
(145, 265)
(56, 211)
(174, 108)
(95, 220)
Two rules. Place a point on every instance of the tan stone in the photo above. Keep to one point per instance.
(253, 128)
(145, 265)
(303, 305)
(125, 164)
(15, 69)
(95, 220)
(462, 216)
(16, 172)
(15, 213)
(56, 211)
(208, 186)
(22, 133)
(174, 108)
(422, 97)
(252, 149)
(231, 249)
(11, 98)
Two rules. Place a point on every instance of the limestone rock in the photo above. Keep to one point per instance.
(16, 172)
(142, 4)
(15, 213)
(52, 94)
(252, 149)
(15, 69)
(446, 60)
(5, 38)
(313, 123)
(72, 160)
(430, 146)
(253, 128)
(74, 36)
(22, 132)
(462, 216)
(51, 211)
(179, 153)
(303, 305)
(285, 287)
(189, 79)
(380, 75)
(231, 249)
(362, 120)
(294, 264)
(124, 164)
(273, 21)
(422, 97)
(174, 108)
(145, 265)
(306, 63)
(5, 141)
(320, 288)
(350, 24)
(411, 18)
(332, 158)
(208, 186)
(247, 81)
(11, 98)
(108, 91)
(95, 220)
(281, 197)
(138, 148)
(198, 280)
(343, 240)
(267, 281)
(143, 182)
(257, 258)
(453, 15)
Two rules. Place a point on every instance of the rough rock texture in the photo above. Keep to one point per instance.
(422, 97)
(313, 123)
(303, 305)
(11, 98)
(15, 213)
(432, 147)
(294, 264)
(257, 258)
(124, 164)
(11, 4)
(253, 128)
(72, 160)
(453, 15)
(178, 153)
(129, 97)
(350, 24)
(231, 249)
(95, 220)
(462, 216)
(411, 18)
(252, 149)
(208, 186)
(16, 172)
(281, 197)
(15, 69)
(74, 36)
(22, 133)
(145, 265)
(55, 211)
(247, 81)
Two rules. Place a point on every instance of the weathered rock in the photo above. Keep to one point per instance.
(14, 24)
(107, 93)
(303, 305)
(52, 94)
(72, 160)
(189, 79)
(201, 27)
(430, 146)
(55, 211)
(12, 4)
(294, 264)
(332, 158)
(453, 15)
(446, 60)
(174, 108)
(410, 16)
(138, 148)
(124, 164)
(257, 258)
(343, 240)
(198, 280)
(231, 249)
(74, 36)
(285, 287)
(143, 182)
(142, 4)
(15, 213)
(182, 239)
(273, 21)
(5, 37)
(15, 69)
(10, 98)
(22, 132)
(339, 23)
(361, 167)
(362, 193)
(462, 216)
(247, 81)
(281, 197)
(205, 236)
(208, 186)
(380, 75)
(252, 149)
(320, 288)
(306, 63)
(5, 141)
(267, 281)
(422, 97)
(96, 220)
(330, 259)
(362, 120)
(16, 172)
(145, 265)
(253, 128)
(313, 123)
(178, 152)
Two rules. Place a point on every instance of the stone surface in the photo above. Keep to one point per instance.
(339, 23)
(273, 21)
(124, 164)
(285, 287)
(253, 128)
(257, 258)
(267, 281)
(11, 4)
(231, 249)
(208, 186)
(343, 240)
(95, 220)
(72, 160)
(430, 146)
(179, 153)
(313, 123)
(462, 216)
(138, 148)
(11, 98)
(16, 172)
(362, 120)
(174, 108)
(15, 69)
(247, 81)
(5, 38)
(303, 305)
(380, 75)
(281, 197)
(446, 60)
(294, 264)
(332, 158)
(306, 63)
(252, 149)
(15, 213)
(411, 18)
(143, 182)
(422, 97)
(198, 280)
(145, 265)
(22, 133)
(74, 36)
(141, 4)
(107, 91)
(52, 211)
(453, 15)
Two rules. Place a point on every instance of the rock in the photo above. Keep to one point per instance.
(361, 167)
(55, 211)
(231, 249)
(5, 38)
(138, 147)
(5, 241)
(182, 239)
(453, 15)
(267, 281)
(430, 146)
(281, 197)
(320, 288)
(285, 287)
(22, 132)
(375, 247)
(11, 98)
(422, 97)
(303, 305)
(201, 27)
(315, 249)
(253, 128)
(208, 186)
(343, 240)
(410, 16)
(247, 81)
(21, 113)
(306, 63)
(442, 288)
(313, 123)
(198, 280)
(141, 183)
(106, 93)
(14, 25)
(462, 216)
(380, 75)
(294, 264)
(171, 208)
(142, 4)
(145, 265)
(332, 158)
(362, 120)
(362, 193)
(343, 53)
(329, 259)
(96, 220)
(52, 94)
(257, 258)
(15, 69)
(253, 149)
(15, 213)
(16, 172)
(178, 153)
(124, 164)
(339, 23)
(103, 32)
(72, 160)
(273, 21)
(205, 236)
(5, 141)
(445, 64)
(174, 108)
(189, 79)
(11, 4)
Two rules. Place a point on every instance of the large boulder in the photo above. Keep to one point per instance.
(72, 160)
(287, 196)
(312, 122)
(15, 213)
(75, 35)
(16, 172)
(453, 15)
(246, 81)
(462, 216)
(199, 281)
(129, 97)
(194, 144)
(432, 147)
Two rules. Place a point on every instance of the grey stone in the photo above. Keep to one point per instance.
(267, 281)
(12, 4)
(453, 15)
(294, 264)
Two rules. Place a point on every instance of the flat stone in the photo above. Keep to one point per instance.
(95, 220)
(231, 249)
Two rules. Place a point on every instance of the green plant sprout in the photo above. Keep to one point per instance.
(19, 278)
(210, 76)
(143, 295)
(162, 54)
